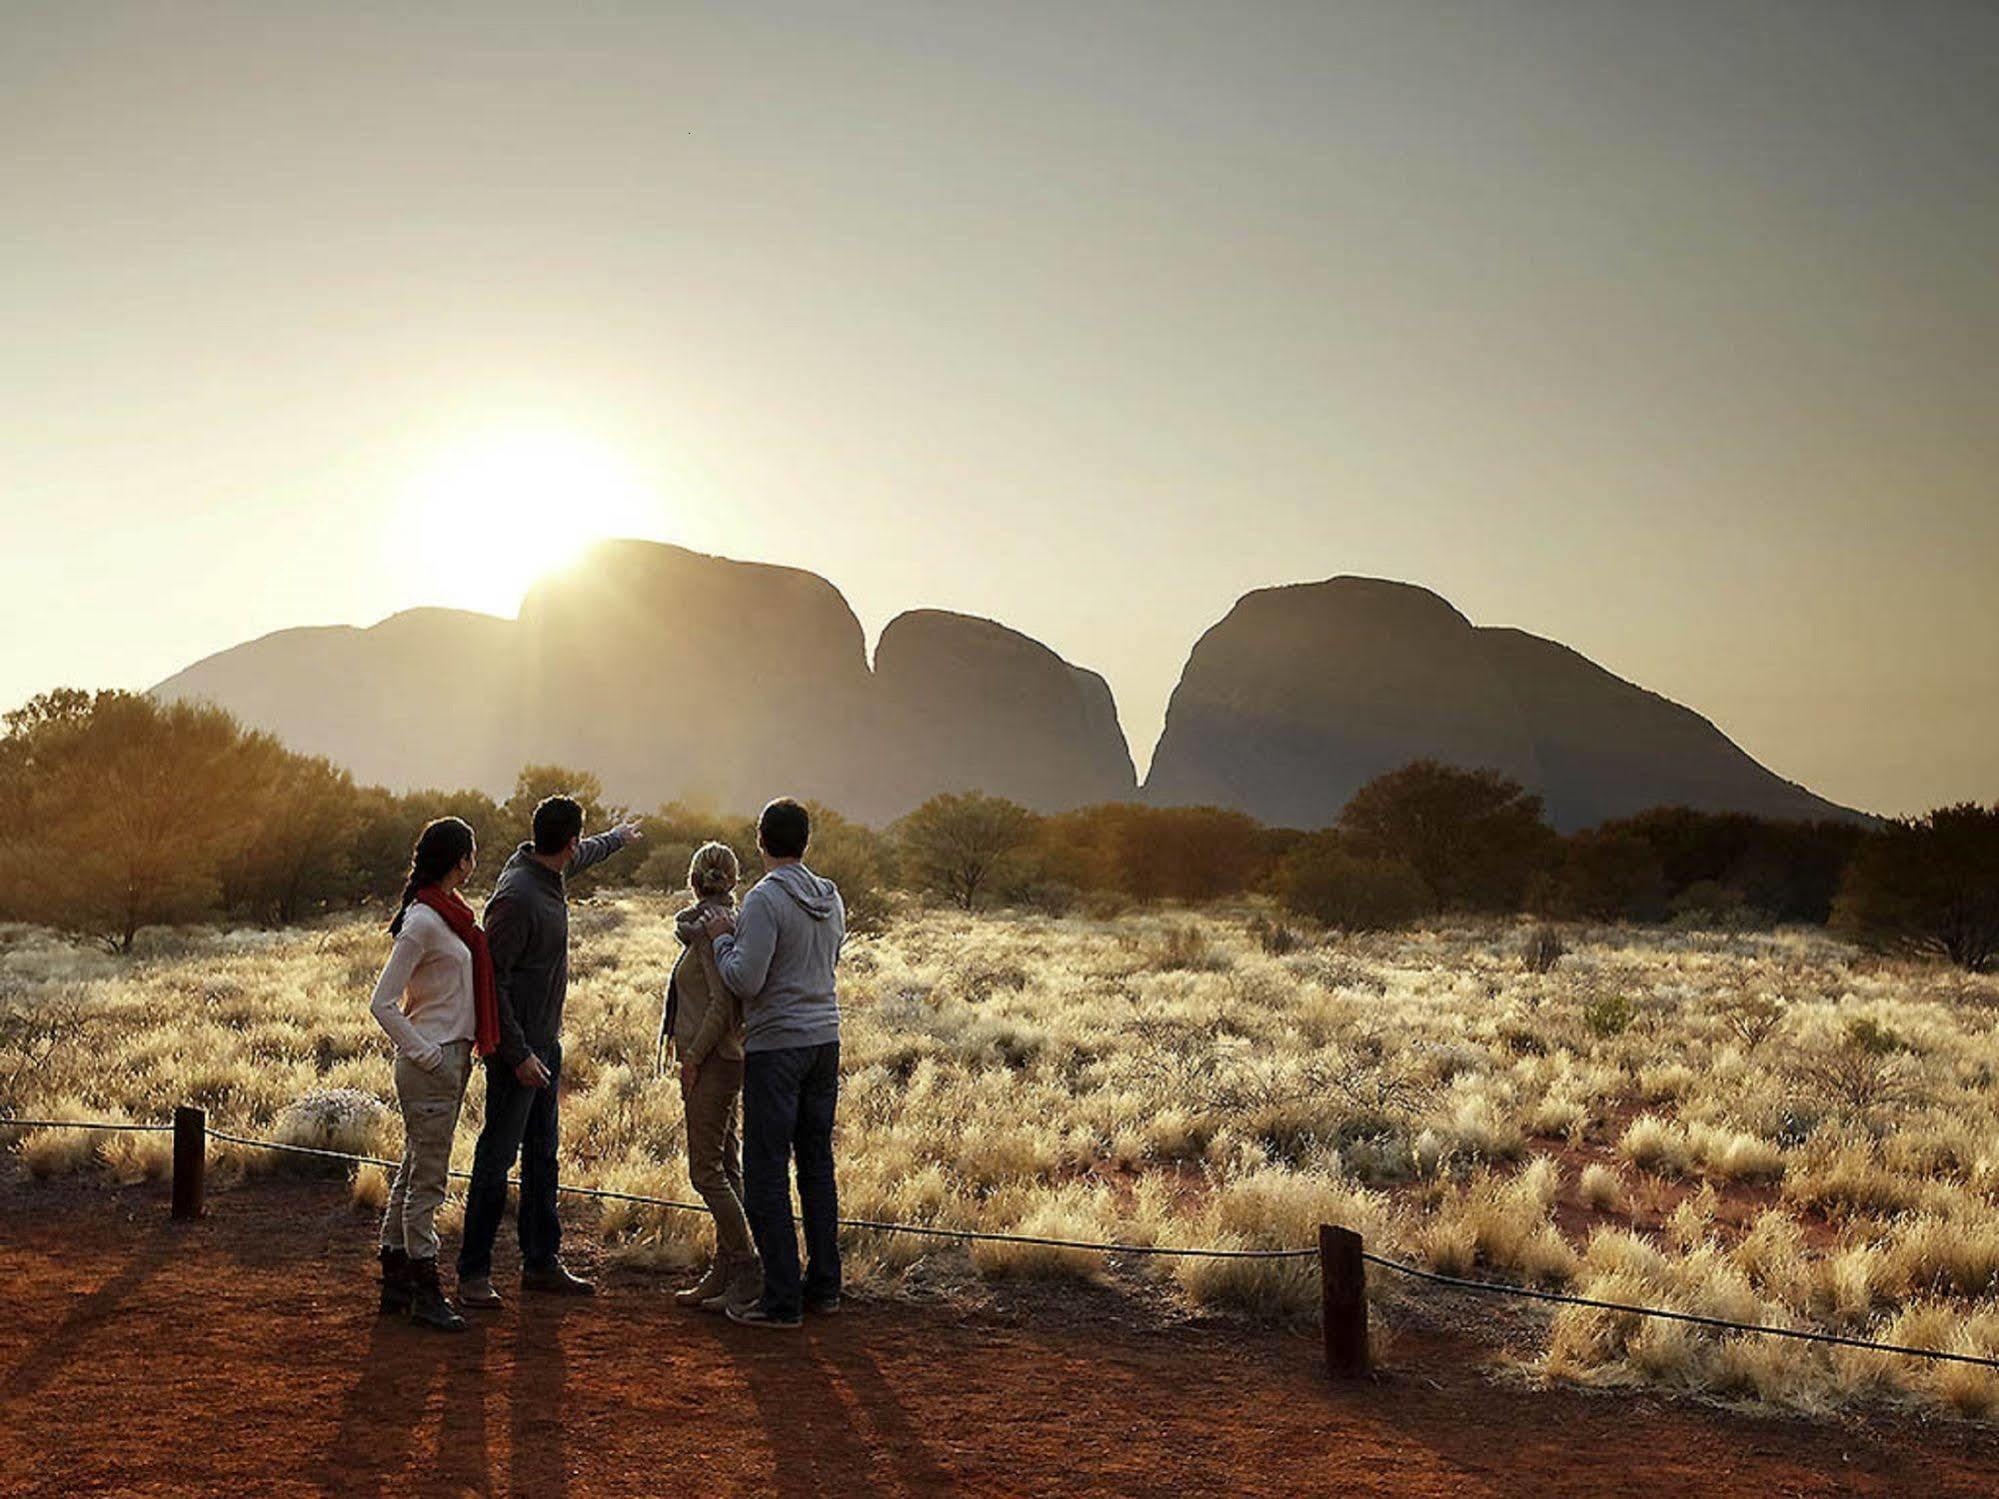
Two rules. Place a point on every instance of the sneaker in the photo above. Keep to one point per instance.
(476, 1293)
(555, 1277)
(756, 1316)
(823, 1306)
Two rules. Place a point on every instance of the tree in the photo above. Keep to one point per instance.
(1929, 885)
(534, 785)
(1475, 837)
(1607, 876)
(301, 856)
(960, 843)
(1323, 879)
(121, 811)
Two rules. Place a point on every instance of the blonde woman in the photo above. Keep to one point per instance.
(705, 1023)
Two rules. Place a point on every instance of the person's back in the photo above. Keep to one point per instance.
(778, 956)
(782, 960)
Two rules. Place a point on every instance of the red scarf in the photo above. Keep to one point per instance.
(458, 916)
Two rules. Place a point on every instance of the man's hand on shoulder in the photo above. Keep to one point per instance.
(718, 924)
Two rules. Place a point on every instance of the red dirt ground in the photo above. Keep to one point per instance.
(241, 1355)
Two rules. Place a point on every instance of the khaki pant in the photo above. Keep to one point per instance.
(430, 1103)
(714, 1150)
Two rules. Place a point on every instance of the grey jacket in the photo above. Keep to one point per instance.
(780, 959)
(527, 932)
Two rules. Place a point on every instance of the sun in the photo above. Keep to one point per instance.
(498, 512)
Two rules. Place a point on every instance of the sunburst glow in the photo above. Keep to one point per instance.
(501, 511)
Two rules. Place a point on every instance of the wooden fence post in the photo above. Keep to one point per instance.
(1343, 1287)
(190, 1160)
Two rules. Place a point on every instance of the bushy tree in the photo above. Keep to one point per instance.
(962, 844)
(122, 811)
(1929, 885)
(1475, 837)
(1326, 880)
(535, 784)
(1786, 871)
(1606, 876)
(301, 857)
(387, 824)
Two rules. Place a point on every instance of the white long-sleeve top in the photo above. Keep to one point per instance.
(424, 998)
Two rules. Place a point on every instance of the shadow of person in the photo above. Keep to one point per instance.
(89, 1312)
(382, 1414)
(897, 1437)
(829, 1415)
(538, 1449)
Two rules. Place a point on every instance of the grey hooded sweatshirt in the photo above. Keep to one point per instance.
(780, 960)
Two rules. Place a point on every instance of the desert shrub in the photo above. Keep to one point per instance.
(1608, 1015)
(1930, 886)
(1601, 1188)
(1543, 949)
(1325, 882)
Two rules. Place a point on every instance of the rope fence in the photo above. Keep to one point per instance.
(1341, 1255)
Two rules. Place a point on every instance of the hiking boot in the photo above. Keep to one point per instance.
(823, 1306)
(555, 1277)
(397, 1291)
(708, 1287)
(745, 1286)
(428, 1306)
(476, 1293)
(756, 1316)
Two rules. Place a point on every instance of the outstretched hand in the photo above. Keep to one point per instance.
(629, 830)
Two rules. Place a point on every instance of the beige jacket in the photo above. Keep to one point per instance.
(707, 1018)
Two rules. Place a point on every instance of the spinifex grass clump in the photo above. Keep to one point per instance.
(1773, 1125)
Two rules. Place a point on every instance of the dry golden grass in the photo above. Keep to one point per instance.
(1173, 1078)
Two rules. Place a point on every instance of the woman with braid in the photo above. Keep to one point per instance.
(435, 999)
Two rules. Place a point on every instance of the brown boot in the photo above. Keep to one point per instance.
(710, 1285)
(745, 1288)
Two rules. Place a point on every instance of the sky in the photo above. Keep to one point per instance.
(1667, 331)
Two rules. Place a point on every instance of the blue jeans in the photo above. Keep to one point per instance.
(521, 1122)
(788, 1101)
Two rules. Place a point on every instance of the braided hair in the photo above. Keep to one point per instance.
(438, 849)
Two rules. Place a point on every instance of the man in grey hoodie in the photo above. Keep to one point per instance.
(778, 956)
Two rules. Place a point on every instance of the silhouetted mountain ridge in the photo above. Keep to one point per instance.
(671, 674)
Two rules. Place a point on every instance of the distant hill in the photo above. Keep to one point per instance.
(1303, 693)
(672, 674)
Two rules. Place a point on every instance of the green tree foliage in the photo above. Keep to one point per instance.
(1474, 837)
(1929, 885)
(963, 844)
(123, 812)
(1324, 879)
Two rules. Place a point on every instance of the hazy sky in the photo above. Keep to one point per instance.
(1669, 330)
